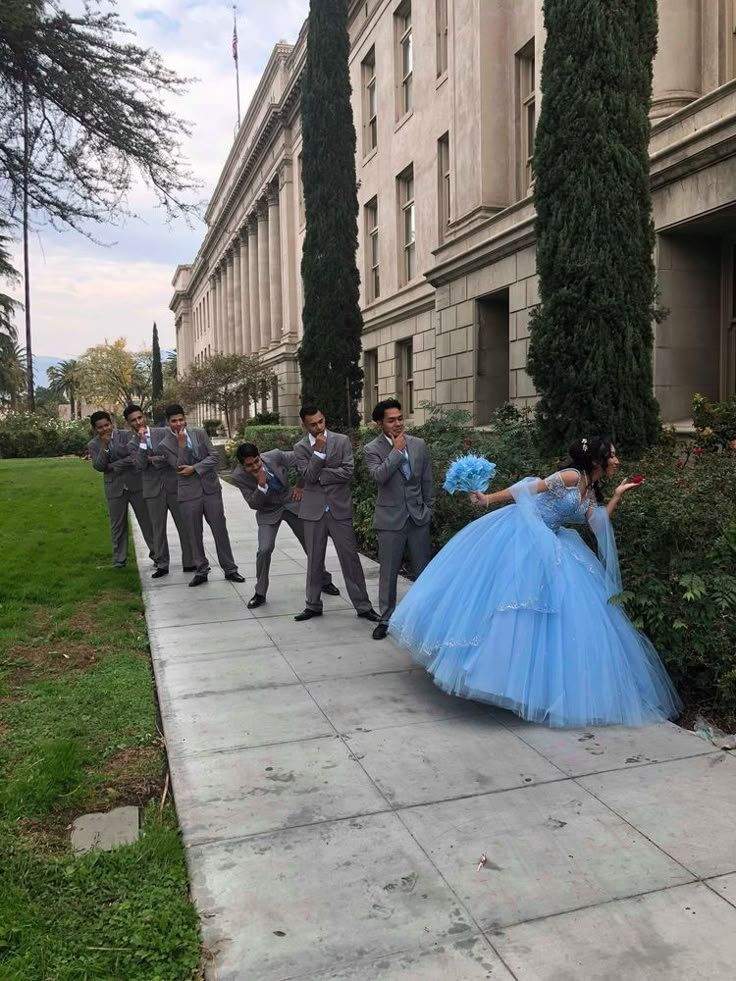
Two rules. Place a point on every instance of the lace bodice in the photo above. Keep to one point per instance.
(562, 505)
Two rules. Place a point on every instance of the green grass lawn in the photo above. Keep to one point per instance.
(78, 733)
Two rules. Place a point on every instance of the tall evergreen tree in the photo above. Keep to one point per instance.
(590, 353)
(157, 375)
(329, 356)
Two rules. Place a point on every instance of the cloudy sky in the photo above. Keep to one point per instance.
(83, 293)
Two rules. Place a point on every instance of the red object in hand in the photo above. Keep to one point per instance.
(637, 480)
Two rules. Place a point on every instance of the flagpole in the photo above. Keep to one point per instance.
(235, 57)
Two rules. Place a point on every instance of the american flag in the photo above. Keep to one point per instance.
(235, 40)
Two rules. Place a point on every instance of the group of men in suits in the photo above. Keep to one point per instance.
(173, 470)
(161, 471)
(320, 506)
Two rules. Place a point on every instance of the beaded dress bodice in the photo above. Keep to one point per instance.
(562, 505)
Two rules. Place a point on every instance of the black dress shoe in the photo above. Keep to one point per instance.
(198, 580)
(160, 573)
(380, 631)
(307, 615)
(370, 615)
(331, 589)
(256, 600)
(188, 568)
(234, 577)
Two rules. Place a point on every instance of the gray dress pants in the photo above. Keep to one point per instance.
(159, 508)
(391, 548)
(117, 508)
(343, 535)
(208, 507)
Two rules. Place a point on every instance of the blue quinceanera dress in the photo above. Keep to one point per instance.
(514, 611)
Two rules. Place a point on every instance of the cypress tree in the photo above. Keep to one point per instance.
(157, 375)
(590, 353)
(329, 355)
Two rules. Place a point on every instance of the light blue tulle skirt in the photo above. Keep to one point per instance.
(515, 614)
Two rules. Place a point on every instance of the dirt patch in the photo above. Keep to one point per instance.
(26, 662)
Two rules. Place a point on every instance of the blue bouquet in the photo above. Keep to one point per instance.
(469, 473)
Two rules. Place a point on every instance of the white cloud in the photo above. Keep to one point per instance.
(82, 293)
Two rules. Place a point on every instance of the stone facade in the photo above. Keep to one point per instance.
(446, 223)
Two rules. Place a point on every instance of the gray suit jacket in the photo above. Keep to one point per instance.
(158, 474)
(202, 456)
(269, 506)
(122, 474)
(327, 483)
(398, 498)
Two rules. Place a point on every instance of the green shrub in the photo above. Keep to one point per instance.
(25, 434)
(213, 427)
(715, 422)
(264, 419)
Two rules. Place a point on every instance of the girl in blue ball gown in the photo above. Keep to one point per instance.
(515, 608)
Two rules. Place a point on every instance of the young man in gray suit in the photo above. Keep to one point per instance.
(263, 480)
(199, 493)
(325, 463)
(159, 489)
(401, 467)
(109, 453)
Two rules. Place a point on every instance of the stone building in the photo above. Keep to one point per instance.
(446, 225)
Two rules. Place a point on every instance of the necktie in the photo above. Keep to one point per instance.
(189, 441)
(148, 441)
(406, 466)
(273, 481)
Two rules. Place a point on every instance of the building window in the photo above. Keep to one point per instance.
(372, 251)
(443, 178)
(405, 358)
(370, 387)
(442, 32)
(405, 58)
(408, 230)
(370, 110)
(526, 115)
(300, 192)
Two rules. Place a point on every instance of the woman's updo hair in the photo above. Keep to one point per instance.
(585, 453)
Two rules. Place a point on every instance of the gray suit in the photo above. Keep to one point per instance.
(272, 506)
(159, 493)
(327, 509)
(200, 497)
(122, 485)
(403, 511)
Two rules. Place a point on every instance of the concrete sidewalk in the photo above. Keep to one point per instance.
(335, 806)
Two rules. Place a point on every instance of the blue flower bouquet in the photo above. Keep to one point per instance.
(469, 473)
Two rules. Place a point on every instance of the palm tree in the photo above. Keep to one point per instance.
(64, 380)
(12, 371)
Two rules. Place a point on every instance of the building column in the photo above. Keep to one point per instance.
(222, 309)
(678, 64)
(290, 314)
(274, 263)
(230, 303)
(244, 293)
(215, 281)
(253, 297)
(264, 286)
(237, 299)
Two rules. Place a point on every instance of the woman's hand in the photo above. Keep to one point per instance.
(478, 499)
(627, 484)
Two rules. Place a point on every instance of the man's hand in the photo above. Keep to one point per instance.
(297, 494)
(320, 442)
(141, 430)
(106, 439)
(400, 442)
(185, 471)
(181, 437)
(262, 476)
